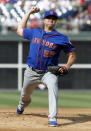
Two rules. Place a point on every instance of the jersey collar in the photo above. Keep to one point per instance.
(48, 33)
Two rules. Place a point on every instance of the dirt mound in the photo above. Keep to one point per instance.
(36, 119)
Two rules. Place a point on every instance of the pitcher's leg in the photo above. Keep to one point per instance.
(26, 92)
(51, 81)
(29, 84)
(53, 98)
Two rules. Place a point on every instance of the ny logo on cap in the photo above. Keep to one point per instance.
(51, 12)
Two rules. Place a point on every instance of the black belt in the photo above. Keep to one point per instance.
(37, 71)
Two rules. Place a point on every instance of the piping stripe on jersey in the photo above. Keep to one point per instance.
(43, 48)
(38, 49)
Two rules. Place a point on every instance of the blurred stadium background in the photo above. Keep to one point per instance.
(74, 21)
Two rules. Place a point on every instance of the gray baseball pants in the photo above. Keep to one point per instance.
(31, 81)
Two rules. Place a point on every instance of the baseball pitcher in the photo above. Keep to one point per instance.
(42, 60)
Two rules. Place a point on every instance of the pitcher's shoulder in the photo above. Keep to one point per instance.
(62, 35)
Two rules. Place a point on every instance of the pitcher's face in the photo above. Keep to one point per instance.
(50, 21)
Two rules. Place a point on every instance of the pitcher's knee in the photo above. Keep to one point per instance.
(53, 78)
(53, 83)
(26, 101)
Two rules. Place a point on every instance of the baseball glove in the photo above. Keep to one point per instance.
(55, 70)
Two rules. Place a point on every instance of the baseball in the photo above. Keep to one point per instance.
(37, 8)
(42, 86)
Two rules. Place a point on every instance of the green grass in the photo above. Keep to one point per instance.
(67, 99)
(75, 99)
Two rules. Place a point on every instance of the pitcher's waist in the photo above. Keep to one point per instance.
(36, 70)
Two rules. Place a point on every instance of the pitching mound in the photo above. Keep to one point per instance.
(35, 119)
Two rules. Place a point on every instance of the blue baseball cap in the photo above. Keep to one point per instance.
(50, 13)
